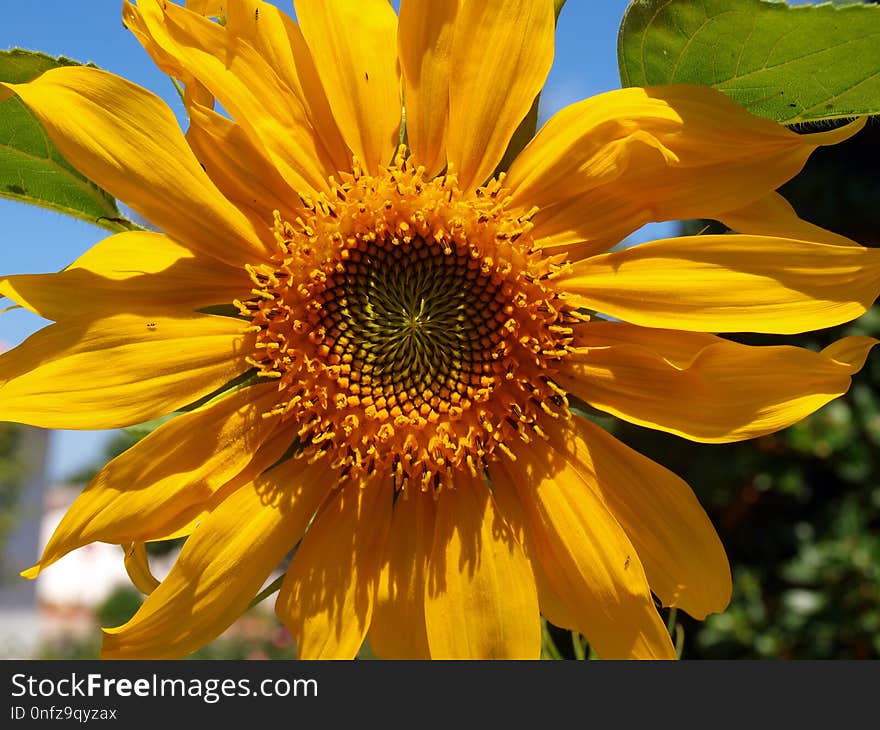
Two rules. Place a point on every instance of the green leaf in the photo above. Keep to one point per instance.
(32, 169)
(790, 64)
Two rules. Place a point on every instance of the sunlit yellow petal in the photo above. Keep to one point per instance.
(774, 216)
(188, 45)
(118, 371)
(734, 283)
(137, 565)
(424, 40)
(279, 40)
(242, 171)
(649, 153)
(272, 452)
(155, 486)
(677, 544)
(501, 53)
(127, 140)
(221, 567)
(400, 598)
(552, 606)
(562, 228)
(723, 392)
(388, 389)
(354, 46)
(326, 600)
(480, 597)
(587, 557)
(128, 273)
(208, 8)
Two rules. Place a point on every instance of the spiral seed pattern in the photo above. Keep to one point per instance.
(410, 326)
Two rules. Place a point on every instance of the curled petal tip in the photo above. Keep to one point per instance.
(32, 572)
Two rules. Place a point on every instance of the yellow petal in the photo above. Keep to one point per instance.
(266, 456)
(127, 140)
(154, 487)
(397, 630)
(280, 41)
(221, 567)
(552, 606)
(107, 373)
(716, 391)
(732, 283)
(655, 154)
(586, 226)
(137, 565)
(773, 216)
(187, 45)
(587, 557)
(677, 347)
(239, 169)
(677, 544)
(208, 8)
(326, 600)
(480, 597)
(354, 46)
(424, 40)
(127, 273)
(850, 352)
(501, 53)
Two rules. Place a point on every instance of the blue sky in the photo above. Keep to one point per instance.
(36, 240)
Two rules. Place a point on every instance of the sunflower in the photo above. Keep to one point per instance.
(379, 349)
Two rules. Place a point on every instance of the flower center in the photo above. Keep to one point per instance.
(415, 329)
(411, 327)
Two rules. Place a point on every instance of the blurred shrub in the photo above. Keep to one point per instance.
(11, 477)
